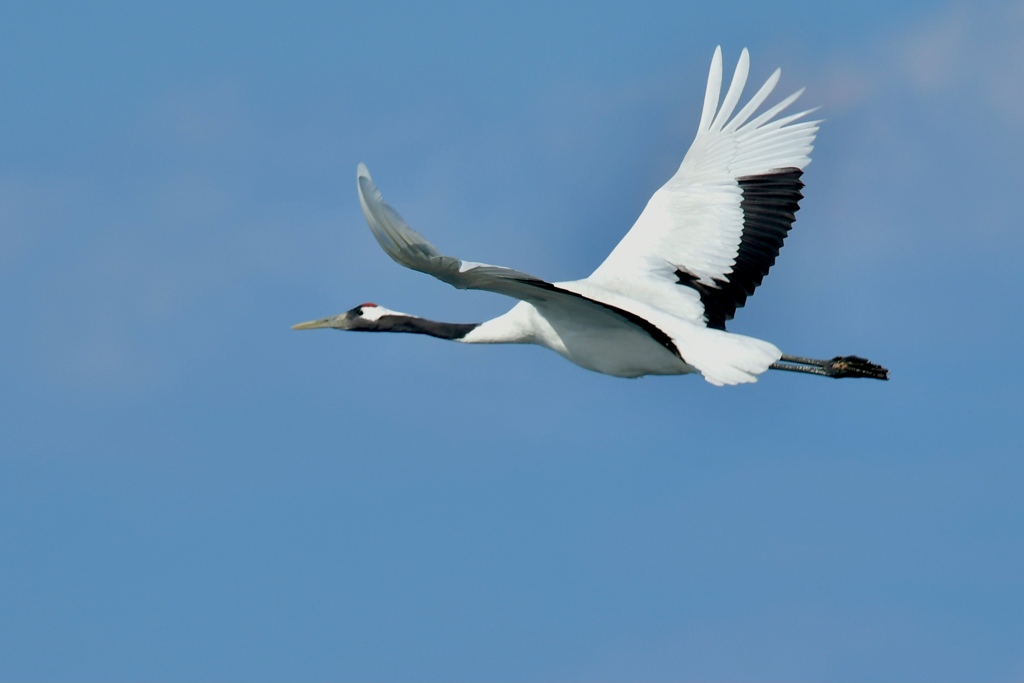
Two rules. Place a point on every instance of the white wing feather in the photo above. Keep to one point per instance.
(695, 221)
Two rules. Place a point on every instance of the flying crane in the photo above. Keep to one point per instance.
(659, 303)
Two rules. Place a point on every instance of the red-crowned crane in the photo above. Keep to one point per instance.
(659, 303)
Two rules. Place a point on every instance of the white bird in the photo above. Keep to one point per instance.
(659, 302)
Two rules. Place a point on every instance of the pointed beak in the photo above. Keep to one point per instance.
(314, 324)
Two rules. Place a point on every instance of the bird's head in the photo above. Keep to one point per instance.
(364, 317)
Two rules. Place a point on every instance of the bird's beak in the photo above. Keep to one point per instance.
(314, 324)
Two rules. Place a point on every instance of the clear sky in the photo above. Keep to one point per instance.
(191, 491)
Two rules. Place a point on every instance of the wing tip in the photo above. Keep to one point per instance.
(712, 92)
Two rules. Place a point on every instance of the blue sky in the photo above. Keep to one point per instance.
(191, 491)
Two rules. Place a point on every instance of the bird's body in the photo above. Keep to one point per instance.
(621, 350)
(659, 302)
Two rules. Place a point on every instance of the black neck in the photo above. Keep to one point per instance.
(412, 325)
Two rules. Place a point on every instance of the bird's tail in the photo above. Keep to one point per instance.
(726, 358)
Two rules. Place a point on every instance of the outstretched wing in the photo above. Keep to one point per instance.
(708, 237)
(410, 249)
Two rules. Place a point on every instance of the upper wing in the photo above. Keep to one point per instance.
(717, 225)
(410, 249)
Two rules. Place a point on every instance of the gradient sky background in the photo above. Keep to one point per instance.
(190, 490)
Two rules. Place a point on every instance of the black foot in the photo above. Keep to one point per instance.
(854, 366)
(840, 366)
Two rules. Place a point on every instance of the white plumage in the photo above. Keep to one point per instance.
(659, 302)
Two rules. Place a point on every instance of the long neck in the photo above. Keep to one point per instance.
(414, 325)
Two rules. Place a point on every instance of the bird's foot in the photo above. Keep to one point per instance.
(854, 366)
(840, 366)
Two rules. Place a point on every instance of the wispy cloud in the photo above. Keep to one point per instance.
(964, 49)
(924, 117)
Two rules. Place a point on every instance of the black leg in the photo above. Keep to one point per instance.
(840, 366)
